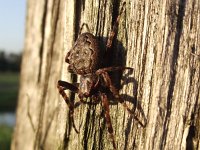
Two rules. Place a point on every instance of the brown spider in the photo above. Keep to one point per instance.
(84, 59)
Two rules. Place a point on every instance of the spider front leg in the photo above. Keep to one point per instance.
(110, 69)
(107, 117)
(62, 85)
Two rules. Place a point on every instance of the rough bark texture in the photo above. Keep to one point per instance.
(159, 39)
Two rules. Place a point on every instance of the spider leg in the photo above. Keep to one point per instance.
(84, 24)
(107, 117)
(114, 29)
(62, 85)
(109, 69)
(118, 98)
(66, 85)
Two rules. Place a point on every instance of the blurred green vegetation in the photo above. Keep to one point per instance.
(5, 137)
(9, 85)
(10, 62)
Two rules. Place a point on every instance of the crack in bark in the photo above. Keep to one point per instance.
(38, 132)
(55, 11)
(39, 140)
(85, 135)
(76, 20)
(179, 28)
(42, 43)
(191, 135)
(97, 24)
(101, 15)
(194, 127)
(29, 114)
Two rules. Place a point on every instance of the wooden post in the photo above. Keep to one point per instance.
(159, 39)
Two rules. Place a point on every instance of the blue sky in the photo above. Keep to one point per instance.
(12, 25)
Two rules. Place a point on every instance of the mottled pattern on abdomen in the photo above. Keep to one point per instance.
(84, 56)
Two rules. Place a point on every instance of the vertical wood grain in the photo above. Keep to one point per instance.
(159, 39)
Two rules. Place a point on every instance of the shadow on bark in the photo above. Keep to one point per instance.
(116, 57)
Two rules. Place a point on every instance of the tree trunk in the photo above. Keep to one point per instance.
(159, 39)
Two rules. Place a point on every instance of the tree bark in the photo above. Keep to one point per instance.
(159, 39)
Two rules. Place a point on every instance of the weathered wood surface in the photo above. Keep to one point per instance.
(159, 39)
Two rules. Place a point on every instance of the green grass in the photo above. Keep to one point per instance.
(9, 78)
(9, 86)
(5, 137)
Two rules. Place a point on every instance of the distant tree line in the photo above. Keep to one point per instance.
(10, 62)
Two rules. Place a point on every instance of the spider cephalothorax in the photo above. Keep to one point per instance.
(85, 59)
(87, 83)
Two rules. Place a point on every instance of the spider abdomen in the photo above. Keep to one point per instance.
(83, 58)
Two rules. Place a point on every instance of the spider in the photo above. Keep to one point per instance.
(85, 59)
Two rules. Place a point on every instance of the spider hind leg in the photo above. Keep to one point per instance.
(117, 96)
(105, 104)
